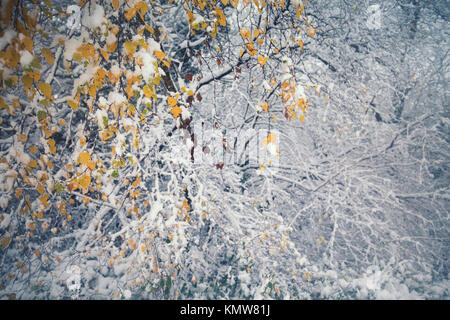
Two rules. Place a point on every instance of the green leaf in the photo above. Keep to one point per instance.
(59, 187)
(115, 174)
(9, 83)
(45, 103)
(41, 115)
(105, 121)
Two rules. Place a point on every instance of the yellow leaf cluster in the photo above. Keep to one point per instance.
(221, 17)
(245, 33)
(159, 55)
(176, 111)
(262, 60)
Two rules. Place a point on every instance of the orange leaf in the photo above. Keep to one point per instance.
(142, 6)
(250, 49)
(105, 54)
(171, 101)
(159, 55)
(262, 60)
(176, 111)
(221, 17)
(245, 33)
(130, 13)
(302, 117)
(18, 193)
(115, 4)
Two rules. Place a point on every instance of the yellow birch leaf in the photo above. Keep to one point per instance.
(111, 47)
(130, 13)
(22, 137)
(262, 60)
(48, 56)
(159, 55)
(40, 188)
(171, 101)
(92, 91)
(147, 92)
(310, 31)
(221, 17)
(91, 165)
(265, 106)
(84, 158)
(33, 164)
(72, 104)
(115, 4)
(6, 239)
(302, 117)
(82, 141)
(176, 111)
(130, 47)
(105, 54)
(44, 199)
(250, 49)
(245, 33)
(28, 43)
(84, 181)
(46, 90)
(18, 192)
